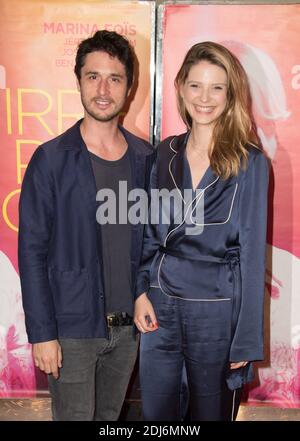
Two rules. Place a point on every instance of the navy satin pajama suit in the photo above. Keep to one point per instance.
(205, 279)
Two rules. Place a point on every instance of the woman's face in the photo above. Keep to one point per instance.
(204, 93)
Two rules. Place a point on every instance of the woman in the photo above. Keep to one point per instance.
(201, 282)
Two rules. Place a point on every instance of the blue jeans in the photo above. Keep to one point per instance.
(95, 373)
(194, 335)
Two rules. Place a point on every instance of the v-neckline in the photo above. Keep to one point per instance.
(199, 186)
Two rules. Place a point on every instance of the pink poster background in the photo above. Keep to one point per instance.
(38, 101)
(266, 40)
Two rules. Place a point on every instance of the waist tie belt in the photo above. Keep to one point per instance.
(231, 256)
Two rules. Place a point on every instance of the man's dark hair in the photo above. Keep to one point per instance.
(113, 44)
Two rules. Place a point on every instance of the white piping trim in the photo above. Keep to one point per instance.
(199, 195)
(217, 223)
(174, 179)
(181, 298)
(233, 402)
(171, 160)
(212, 183)
(174, 229)
(170, 145)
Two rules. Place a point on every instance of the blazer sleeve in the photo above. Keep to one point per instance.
(150, 243)
(36, 217)
(247, 343)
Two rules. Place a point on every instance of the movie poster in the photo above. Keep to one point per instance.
(38, 101)
(265, 38)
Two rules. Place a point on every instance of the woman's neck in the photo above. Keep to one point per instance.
(200, 140)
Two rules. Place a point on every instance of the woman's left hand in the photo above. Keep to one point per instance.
(238, 364)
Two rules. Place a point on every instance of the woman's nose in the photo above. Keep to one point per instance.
(204, 96)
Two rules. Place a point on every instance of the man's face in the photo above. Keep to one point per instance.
(103, 86)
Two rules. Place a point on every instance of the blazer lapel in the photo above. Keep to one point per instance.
(86, 180)
(138, 172)
(176, 164)
(73, 142)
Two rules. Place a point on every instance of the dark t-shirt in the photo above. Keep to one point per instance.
(116, 238)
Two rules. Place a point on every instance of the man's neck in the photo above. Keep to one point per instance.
(104, 139)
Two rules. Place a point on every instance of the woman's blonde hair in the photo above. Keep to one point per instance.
(235, 128)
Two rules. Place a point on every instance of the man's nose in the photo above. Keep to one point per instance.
(103, 86)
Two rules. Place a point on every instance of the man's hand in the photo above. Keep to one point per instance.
(48, 357)
(238, 364)
(144, 315)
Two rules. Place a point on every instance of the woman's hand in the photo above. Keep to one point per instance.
(144, 315)
(238, 364)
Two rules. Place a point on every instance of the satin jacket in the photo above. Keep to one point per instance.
(224, 259)
(60, 251)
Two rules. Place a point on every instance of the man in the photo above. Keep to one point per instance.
(78, 276)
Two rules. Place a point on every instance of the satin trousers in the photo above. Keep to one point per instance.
(194, 336)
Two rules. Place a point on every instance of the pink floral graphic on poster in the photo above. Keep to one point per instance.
(17, 376)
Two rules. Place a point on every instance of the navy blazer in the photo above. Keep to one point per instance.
(60, 239)
(228, 253)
